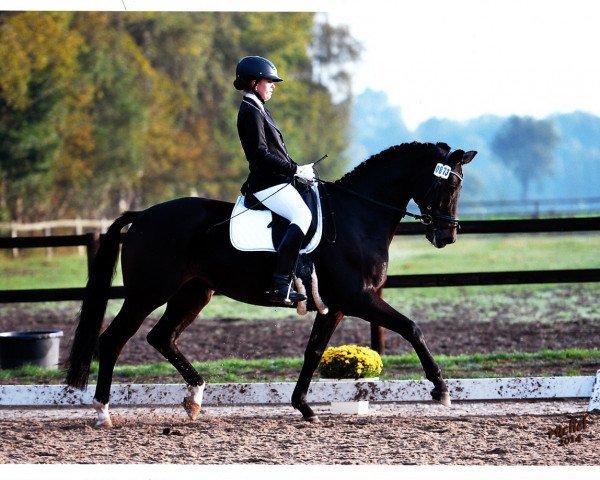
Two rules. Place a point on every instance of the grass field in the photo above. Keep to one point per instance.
(471, 253)
(395, 367)
(408, 255)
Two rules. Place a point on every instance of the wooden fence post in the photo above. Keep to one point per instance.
(79, 231)
(92, 245)
(377, 339)
(49, 250)
(13, 234)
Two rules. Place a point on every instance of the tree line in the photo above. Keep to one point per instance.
(520, 157)
(104, 111)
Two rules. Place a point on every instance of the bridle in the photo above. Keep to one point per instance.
(442, 172)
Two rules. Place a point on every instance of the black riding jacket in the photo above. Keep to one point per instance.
(268, 158)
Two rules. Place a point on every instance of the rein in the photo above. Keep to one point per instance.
(442, 171)
(424, 218)
(252, 207)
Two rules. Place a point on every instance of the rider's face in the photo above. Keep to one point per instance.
(265, 88)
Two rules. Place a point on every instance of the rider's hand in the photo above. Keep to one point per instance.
(306, 173)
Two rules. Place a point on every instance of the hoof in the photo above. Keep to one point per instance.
(441, 397)
(312, 419)
(445, 400)
(104, 420)
(191, 408)
(107, 423)
(193, 403)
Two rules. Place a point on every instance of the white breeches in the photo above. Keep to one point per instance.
(285, 201)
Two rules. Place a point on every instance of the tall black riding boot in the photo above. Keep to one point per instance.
(281, 291)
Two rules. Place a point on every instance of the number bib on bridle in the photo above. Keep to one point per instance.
(442, 171)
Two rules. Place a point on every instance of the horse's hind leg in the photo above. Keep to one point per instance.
(111, 342)
(323, 328)
(181, 311)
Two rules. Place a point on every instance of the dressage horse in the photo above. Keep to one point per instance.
(179, 253)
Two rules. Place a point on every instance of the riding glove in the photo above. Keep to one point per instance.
(306, 173)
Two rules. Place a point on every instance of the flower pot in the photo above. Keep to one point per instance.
(30, 347)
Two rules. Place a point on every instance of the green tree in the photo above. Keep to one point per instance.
(177, 47)
(526, 146)
(37, 63)
(101, 111)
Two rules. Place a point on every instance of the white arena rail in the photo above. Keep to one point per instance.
(491, 389)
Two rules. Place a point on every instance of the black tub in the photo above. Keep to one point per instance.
(30, 347)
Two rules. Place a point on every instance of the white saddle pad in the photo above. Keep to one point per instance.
(249, 231)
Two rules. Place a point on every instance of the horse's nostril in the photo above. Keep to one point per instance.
(441, 238)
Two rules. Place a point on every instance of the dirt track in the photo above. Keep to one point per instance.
(413, 434)
(528, 321)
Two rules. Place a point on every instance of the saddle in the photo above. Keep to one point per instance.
(253, 228)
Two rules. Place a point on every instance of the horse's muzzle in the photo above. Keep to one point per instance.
(439, 238)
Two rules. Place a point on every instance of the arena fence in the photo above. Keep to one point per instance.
(91, 241)
(481, 389)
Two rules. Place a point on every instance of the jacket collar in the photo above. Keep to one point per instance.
(255, 100)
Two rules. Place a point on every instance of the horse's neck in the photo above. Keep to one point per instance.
(364, 207)
(384, 176)
(391, 187)
(379, 194)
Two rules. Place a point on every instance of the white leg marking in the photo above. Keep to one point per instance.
(321, 307)
(104, 420)
(301, 306)
(193, 403)
(197, 393)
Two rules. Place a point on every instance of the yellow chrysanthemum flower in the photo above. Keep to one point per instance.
(350, 361)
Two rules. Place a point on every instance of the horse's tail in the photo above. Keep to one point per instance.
(95, 299)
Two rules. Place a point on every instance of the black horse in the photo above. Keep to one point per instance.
(179, 253)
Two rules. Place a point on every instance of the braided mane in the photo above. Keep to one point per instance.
(373, 162)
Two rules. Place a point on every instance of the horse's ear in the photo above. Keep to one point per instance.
(455, 157)
(468, 156)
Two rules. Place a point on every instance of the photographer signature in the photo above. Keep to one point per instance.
(571, 433)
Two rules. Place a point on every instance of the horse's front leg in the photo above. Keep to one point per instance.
(374, 309)
(323, 328)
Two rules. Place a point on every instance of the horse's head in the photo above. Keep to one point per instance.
(438, 198)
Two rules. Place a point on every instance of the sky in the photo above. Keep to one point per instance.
(461, 59)
(452, 59)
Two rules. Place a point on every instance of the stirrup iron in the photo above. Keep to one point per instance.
(282, 291)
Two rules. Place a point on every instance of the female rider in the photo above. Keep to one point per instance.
(272, 170)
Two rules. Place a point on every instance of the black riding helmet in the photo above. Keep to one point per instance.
(254, 68)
